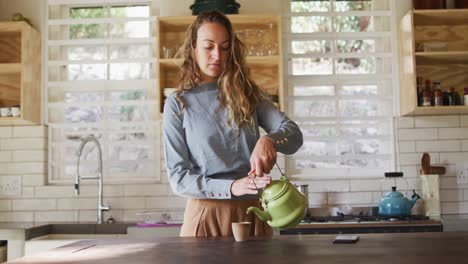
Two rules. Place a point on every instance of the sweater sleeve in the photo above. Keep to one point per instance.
(284, 132)
(184, 180)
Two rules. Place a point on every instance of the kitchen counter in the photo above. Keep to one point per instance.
(17, 233)
(444, 247)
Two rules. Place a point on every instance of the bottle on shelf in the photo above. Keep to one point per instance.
(465, 95)
(420, 86)
(427, 94)
(437, 94)
(455, 96)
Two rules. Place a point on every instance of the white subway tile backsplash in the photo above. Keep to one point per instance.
(464, 146)
(366, 185)
(318, 186)
(464, 120)
(318, 199)
(77, 203)
(418, 134)
(165, 202)
(29, 131)
(22, 143)
(134, 203)
(405, 122)
(29, 155)
(437, 121)
(451, 195)
(56, 216)
(453, 133)
(34, 204)
(146, 190)
(5, 156)
(454, 207)
(15, 217)
(130, 215)
(26, 168)
(406, 146)
(438, 146)
(55, 192)
(5, 205)
(113, 190)
(411, 158)
(27, 192)
(34, 180)
(4, 169)
(448, 182)
(453, 157)
(6, 132)
(349, 198)
(410, 171)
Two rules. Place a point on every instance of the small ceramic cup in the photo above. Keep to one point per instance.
(241, 231)
(15, 111)
(5, 111)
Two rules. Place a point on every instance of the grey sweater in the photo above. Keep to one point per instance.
(203, 153)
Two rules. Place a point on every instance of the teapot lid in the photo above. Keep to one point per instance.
(394, 193)
(275, 189)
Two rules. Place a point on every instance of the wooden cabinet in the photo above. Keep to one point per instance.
(448, 27)
(20, 72)
(257, 30)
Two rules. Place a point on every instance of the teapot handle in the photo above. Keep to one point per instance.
(283, 176)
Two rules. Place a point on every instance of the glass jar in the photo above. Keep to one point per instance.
(438, 97)
(465, 95)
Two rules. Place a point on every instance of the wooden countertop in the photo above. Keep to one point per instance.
(362, 224)
(411, 248)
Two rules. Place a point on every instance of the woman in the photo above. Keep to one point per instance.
(213, 149)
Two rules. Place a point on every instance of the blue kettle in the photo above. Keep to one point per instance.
(395, 204)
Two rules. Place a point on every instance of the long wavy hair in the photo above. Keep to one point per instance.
(238, 93)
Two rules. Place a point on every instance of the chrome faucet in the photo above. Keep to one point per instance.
(100, 207)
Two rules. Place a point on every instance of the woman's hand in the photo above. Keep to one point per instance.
(263, 157)
(246, 185)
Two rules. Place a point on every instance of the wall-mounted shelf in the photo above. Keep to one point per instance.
(20, 72)
(450, 67)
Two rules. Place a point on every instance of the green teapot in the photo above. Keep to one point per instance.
(284, 206)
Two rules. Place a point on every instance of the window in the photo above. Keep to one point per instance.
(101, 82)
(340, 80)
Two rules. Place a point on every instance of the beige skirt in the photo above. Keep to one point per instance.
(204, 218)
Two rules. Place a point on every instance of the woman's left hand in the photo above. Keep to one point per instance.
(263, 157)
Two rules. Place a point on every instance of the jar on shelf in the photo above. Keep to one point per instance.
(465, 95)
(438, 97)
(436, 87)
(427, 94)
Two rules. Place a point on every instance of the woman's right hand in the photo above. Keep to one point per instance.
(246, 185)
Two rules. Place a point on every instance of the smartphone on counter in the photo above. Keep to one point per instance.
(346, 239)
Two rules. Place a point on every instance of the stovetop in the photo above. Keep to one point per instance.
(362, 218)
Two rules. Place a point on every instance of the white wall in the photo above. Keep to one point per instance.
(22, 152)
(33, 9)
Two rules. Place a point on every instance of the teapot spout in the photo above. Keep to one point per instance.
(263, 215)
(414, 198)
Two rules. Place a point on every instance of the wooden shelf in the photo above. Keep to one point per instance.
(442, 57)
(440, 17)
(20, 72)
(440, 110)
(449, 67)
(10, 68)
